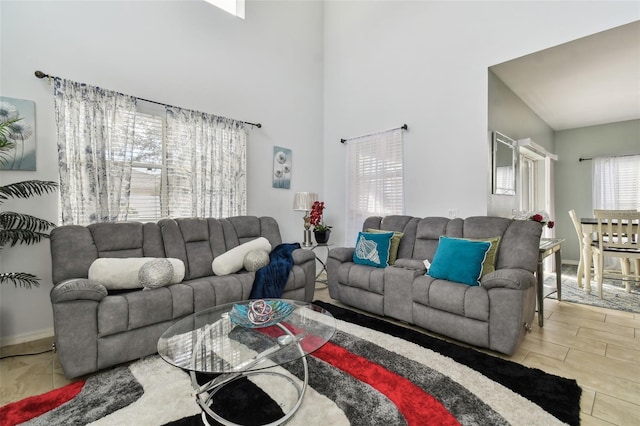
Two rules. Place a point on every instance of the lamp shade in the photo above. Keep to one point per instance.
(303, 201)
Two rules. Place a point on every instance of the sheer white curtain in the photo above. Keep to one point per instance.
(616, 183)
(206, 165)
(375, 179)
(95, 130)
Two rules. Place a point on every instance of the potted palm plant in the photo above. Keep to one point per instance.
(19, 228)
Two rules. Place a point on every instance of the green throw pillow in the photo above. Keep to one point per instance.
(395, 242)
(489, 264)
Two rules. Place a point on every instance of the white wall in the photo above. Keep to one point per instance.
(425, 64)
(267, 69)
(573, 177)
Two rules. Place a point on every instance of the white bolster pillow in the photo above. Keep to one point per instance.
(117, 273)
(233, 260)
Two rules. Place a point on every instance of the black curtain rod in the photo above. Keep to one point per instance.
(40, 74)
(403, 127)
(607, 156)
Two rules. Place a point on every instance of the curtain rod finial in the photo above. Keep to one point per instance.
(40, 74)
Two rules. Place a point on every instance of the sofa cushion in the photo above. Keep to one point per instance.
(233, 260)
(373, 249)
(489, 264)
(459, 260)
(395, 243)
(116, 273)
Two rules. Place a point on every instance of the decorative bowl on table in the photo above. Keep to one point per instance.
(260, 313)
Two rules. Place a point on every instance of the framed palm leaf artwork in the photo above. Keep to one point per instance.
(17, 118)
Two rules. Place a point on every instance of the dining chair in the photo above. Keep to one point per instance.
(617, 237)
(581, 243)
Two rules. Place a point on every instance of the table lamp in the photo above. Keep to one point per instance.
(303, 201)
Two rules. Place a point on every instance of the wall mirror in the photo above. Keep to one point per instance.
(504, 165)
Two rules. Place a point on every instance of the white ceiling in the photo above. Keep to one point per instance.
(589, 81)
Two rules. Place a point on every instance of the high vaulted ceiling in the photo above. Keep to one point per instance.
(590, 81)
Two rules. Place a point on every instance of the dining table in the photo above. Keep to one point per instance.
(589, 226)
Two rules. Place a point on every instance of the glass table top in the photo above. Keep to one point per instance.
(211, 342)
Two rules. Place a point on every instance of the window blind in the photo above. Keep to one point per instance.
(375, 179)
(146, 174)
(616, 183)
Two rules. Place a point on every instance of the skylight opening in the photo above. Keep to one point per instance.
(234, 7)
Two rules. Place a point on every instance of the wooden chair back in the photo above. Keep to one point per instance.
(618, 231)
(577, 226)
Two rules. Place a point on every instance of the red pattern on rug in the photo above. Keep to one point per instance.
(34, 406)
(415, 404)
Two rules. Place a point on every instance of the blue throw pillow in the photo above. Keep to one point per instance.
(459, 260)
(373, 249)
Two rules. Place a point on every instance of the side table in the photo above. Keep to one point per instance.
(548, 246)
(321, 259)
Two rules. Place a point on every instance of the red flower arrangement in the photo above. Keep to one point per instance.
(316, 217)
(544, 221)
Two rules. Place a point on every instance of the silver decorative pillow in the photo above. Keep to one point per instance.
(156, 273)
(256, 259)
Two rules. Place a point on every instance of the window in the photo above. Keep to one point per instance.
(122, 160)
(375, 179)
(234, 7)
(616, 183)
(528, 187)
(147, 167)
(205, 177)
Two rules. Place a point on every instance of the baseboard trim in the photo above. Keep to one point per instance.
(570, 262)
(27, 337)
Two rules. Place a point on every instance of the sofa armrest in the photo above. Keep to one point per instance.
(342, 254)
(78, 289)
(301, 256)
(518, 279)
(408, 263)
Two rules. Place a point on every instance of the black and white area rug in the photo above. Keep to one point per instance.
(372, 372)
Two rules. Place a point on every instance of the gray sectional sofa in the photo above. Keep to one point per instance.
(495, 315)
(96, 328)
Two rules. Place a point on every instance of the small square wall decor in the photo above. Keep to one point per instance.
(281, 177)
(19, 115)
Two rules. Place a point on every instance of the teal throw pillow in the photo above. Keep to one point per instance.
(459, 260)
(373, 249)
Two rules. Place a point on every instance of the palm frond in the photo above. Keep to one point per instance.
(13, 220)
(7, 129)
(5, 151)
(21, 279)
(27, 189)
(20, 236)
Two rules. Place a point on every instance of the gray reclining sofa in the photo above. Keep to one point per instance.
(96, 328)
(495, 315)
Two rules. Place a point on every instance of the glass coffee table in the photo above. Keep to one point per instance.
(243, 339)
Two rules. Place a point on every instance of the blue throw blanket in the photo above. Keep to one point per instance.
(271, 279)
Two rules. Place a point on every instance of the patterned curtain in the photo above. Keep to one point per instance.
(206, 165)
(95, 143)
